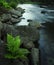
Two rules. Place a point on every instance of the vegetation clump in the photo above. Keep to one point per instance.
(13, 48)
(4, 4)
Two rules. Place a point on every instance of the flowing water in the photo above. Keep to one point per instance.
(46, 41)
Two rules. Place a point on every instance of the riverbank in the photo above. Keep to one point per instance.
(26, 21)
(29, 35)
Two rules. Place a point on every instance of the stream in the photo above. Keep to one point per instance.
(46, 41)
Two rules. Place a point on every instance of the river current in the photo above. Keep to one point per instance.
(46, 41)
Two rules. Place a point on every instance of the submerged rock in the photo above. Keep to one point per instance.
(29, 20)
(44, 11)
(35, 24)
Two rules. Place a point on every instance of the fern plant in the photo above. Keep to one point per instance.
(13, 47)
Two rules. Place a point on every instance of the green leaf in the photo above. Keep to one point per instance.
(9, 56)
(22, 57)
(17, 41)
(10, 39)
(10, 42)
(22, 51)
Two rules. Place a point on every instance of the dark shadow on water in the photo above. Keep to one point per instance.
(46, 40)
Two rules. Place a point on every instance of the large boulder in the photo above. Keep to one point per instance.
(14, 20)
(15, 12)
(10, 19)
(9, 29)
(20, 9)
(28, 33)
(5, 18)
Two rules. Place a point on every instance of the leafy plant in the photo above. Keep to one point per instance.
(13, 47)
(13, 4)
(4, 4)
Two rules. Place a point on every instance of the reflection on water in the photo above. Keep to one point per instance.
(46, 36)
(47, 46)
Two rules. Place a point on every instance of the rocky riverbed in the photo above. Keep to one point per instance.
(29, 35)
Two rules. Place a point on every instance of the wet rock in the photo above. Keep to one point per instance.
(29, 20)
(20, 9)
(5, 18)
(15, 12)
(35, 56)
(10, 29)
(9, 22)
(14, 16)
(29, 45)
(43, 6)
(13, 20)
(35, 24)
(28, 33)
(22, 18)
(43, 12)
